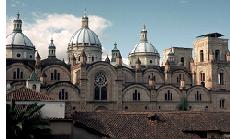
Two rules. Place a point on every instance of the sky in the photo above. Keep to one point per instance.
(169, 22)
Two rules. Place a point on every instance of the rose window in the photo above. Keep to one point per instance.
(100, 79)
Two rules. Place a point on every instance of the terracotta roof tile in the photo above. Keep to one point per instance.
(153, 124)
(25, 94)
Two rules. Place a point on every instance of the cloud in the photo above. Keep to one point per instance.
(17, 3)
(59, 26)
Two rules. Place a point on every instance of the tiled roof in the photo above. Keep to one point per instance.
(152, 124)
(23, 94)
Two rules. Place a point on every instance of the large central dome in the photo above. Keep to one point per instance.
(85, 36)
(85, 40)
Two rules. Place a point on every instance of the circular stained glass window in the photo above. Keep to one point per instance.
(100, 79)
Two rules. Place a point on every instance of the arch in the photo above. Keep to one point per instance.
(70, 92)
(198, 93)
(173, 93)
(110, 74)
(63, 73)
(159, 76)
(136, 92)
(16, 72)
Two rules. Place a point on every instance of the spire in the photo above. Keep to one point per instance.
(84, 20)
(107, 59)
(138, 61)
(17, 24)
(52, 48)
(115, 46)
(144, 34)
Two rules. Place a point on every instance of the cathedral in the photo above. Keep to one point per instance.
(199, 76)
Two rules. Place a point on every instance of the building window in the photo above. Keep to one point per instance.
(31, 56)
(126, 107)
(182, 60)
(221, 78)
(55, 75)
(217, 55)
(79, 58)
(202, 79)
(58, 76)
(14, 75)
(34, 87)
(52, 76)
(146, 107)
(136, 96)
(63, 95)
(222, 103)
(198, 96)
(201, 56)
(150, 61)
(18, 74)
(100, 92)
(168, 96)
(179, 78)
(92, 59)
(18, 55)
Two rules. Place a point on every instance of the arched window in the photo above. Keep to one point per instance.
(136, 96)
(150, 61)
(168, 96)
(92, 59)
(198, 96)
(63, 95)
(97, 93)
(18, 73)
(34, 87)
(221, 78)
(217, 55)
(103, 93)
(182, 60)
(201, 55)
(222, 103)
(202, 78)
(52, 76)
(100, 87)
(55, 74)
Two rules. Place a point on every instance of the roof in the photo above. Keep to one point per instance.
(153, 124)
(18, 38)
(211, 35)
(85, 36)
(53, 61)
(23, 94)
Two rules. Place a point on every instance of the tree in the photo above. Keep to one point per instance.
(183, 105)
(27, 123)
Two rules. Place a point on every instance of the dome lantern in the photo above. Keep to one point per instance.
(17, 24)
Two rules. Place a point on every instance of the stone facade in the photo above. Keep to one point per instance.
(100, 85)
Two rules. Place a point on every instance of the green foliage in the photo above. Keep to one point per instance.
(183, 105)
(26, 124)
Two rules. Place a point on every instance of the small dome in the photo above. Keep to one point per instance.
(144, 47)
(17, 38)
(85, 36)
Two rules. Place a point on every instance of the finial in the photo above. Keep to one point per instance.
(18, 15)
(144, 27)
(51, 40)
(115, 44)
